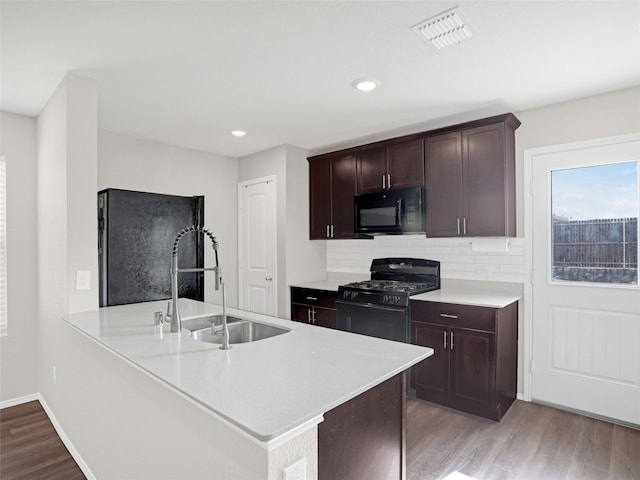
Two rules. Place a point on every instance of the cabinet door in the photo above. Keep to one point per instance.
(325, 317)
(371, 167)
(472, 371)
(319, 198)
(300, 313)
(443, 174)
(430, 378)
(406, 164)
(343, 173)
(486, 178)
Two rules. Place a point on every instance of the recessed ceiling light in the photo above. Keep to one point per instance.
(365, 84)
(446, 29)
(238, 133)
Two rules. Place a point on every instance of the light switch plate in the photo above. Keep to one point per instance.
(83, 279)
(296, 471)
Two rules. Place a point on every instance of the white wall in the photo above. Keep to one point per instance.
(130, 163)
(299, 259)
(264, 164)
(67, 235)
(18, 354)
(600, 116)
(123, 423)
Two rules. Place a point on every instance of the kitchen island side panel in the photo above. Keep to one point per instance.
(365, 438)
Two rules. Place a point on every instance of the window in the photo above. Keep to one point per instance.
(595, 223)
(3, 249)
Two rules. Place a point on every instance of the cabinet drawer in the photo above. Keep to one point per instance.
(319, 298)
(454, 315)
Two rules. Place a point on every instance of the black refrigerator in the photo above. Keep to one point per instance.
(136, 231)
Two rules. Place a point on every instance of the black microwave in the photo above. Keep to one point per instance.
(391, 211)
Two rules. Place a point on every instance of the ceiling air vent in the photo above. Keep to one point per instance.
(445, 29)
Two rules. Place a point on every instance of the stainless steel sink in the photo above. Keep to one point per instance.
(199, 323)
(240, 331)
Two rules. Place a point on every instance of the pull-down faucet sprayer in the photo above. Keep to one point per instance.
(176, 321)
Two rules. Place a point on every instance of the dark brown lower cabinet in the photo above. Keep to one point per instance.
(317, 307)
(474, 365)
(364, 438)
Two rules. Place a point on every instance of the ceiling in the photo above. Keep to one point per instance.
(186, 73)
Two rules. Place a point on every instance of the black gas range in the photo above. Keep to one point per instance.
(379, 307)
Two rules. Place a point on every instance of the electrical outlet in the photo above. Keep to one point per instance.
(83, 279)
(54, 375)
(296, 471)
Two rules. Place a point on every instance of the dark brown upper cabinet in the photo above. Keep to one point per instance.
(389, 165)
(331, 191)
(468, 171)
(470, 179)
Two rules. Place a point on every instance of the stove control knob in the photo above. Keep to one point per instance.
(392, 299)
(349, 294)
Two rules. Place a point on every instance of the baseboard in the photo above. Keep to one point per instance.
(58, 428)
(20, 400)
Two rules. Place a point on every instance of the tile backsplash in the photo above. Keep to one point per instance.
(495, 261)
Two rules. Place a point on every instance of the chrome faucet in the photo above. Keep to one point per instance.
(176, 320)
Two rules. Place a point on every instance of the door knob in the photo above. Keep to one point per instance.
(268, 278)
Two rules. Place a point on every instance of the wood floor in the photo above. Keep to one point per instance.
(30, 447)
(532, 442)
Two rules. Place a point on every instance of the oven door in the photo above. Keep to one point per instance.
(390, 323)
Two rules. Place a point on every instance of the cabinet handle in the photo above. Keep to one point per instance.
(448, 315)
(444, 336)
(313, 316)
(312, 298)
(308, 315)
(458, 223)
(333, 231)
(464, 225)
(388, 181)
(384, 186)
(327, 235)
(451, 340)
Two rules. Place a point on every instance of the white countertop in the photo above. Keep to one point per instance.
(463, 292)
(479, 294)
(333, 281)
(266, 388)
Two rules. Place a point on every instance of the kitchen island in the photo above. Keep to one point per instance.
(270, 392)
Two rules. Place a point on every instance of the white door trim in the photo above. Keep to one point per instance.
(529, 156)
(241, 185)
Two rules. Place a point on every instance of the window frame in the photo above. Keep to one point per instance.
(3, 247)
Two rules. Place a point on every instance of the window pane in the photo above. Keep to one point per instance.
(595, 223)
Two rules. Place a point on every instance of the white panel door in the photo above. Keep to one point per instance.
(586, 301)
(257, 236)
